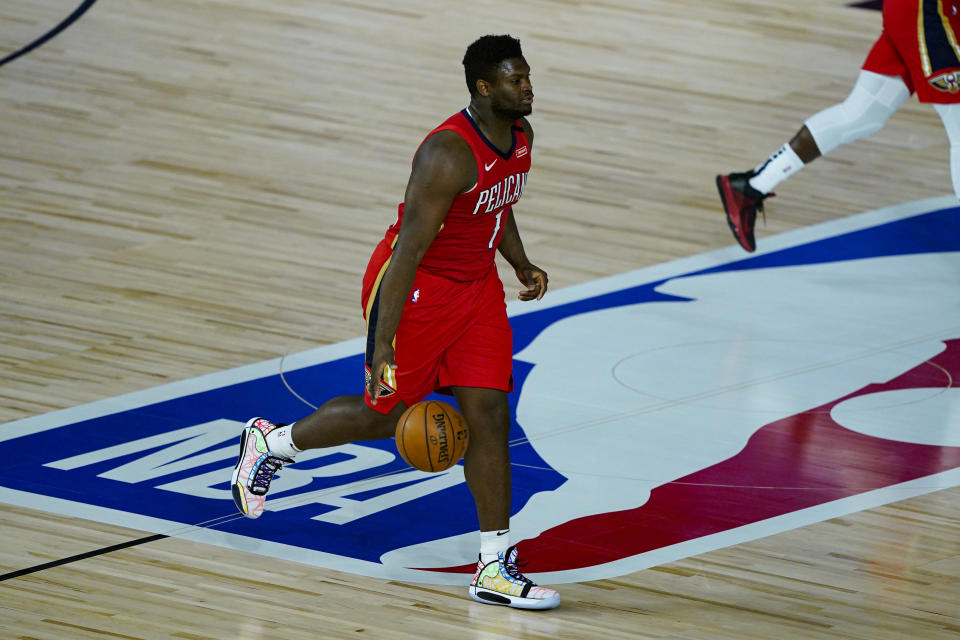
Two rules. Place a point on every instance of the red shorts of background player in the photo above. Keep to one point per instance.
(919, 44)
(451, 334)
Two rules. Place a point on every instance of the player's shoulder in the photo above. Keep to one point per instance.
(524, 124)
(447, 157)
(445, 144)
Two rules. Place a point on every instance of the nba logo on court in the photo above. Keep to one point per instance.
(666, 411)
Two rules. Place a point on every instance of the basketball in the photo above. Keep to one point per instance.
(432, 436)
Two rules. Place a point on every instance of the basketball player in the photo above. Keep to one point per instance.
(436, 316)
(917, 52)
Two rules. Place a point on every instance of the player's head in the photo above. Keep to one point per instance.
(496, 70)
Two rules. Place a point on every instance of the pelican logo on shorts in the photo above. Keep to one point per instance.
(948, 81)
(385, 389)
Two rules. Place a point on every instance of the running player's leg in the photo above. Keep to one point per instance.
(882, 86)
(950, 114)
(871, 102)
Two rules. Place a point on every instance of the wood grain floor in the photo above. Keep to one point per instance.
(194, 185)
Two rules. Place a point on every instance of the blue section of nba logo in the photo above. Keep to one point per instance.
(165, 444)
(932, 232)
(80, 462)
(171, 460)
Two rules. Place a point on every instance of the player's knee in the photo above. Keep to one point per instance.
(374, 425)
(872, 101)
(486, 411)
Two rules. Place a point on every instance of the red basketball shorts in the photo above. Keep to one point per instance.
(919, 44)
(450, 334)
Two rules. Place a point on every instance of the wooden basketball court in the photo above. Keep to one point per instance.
(192, 186)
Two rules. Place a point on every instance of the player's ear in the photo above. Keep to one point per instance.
(483, 88)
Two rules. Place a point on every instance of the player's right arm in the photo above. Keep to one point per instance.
(443, 166)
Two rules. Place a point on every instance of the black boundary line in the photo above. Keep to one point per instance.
(69, 20)
(82, 556)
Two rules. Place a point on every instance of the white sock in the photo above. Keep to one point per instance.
(783, 163)
(493, 543)
(280, 442)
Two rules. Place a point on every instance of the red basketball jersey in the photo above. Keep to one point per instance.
(466, 245)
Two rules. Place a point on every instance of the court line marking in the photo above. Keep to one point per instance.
(49, 35)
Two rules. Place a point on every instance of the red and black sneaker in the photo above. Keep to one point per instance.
(741, 202)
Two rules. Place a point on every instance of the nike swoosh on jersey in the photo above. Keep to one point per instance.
(486, 167)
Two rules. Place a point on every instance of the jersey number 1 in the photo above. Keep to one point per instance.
(495, 230)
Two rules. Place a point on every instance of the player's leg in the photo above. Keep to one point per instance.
(950, 114)
(873, 99)
(266, 446)
(486, 464)
(881, 88)
(478, 367)
(344, 419)
(498, 579)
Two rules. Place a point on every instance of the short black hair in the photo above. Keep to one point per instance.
(482, 58)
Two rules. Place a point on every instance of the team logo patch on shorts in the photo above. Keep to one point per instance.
(948, 81)
(385, 389)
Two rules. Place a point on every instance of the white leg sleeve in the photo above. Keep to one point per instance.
(950, 114)
(872, 101)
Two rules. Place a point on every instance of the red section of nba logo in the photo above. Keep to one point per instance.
(791, 464)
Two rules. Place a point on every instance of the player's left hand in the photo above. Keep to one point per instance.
(383, 359)
(535, 279)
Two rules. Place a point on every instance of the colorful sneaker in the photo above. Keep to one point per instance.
(499, 582)
(255, 467)
(741, 202)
